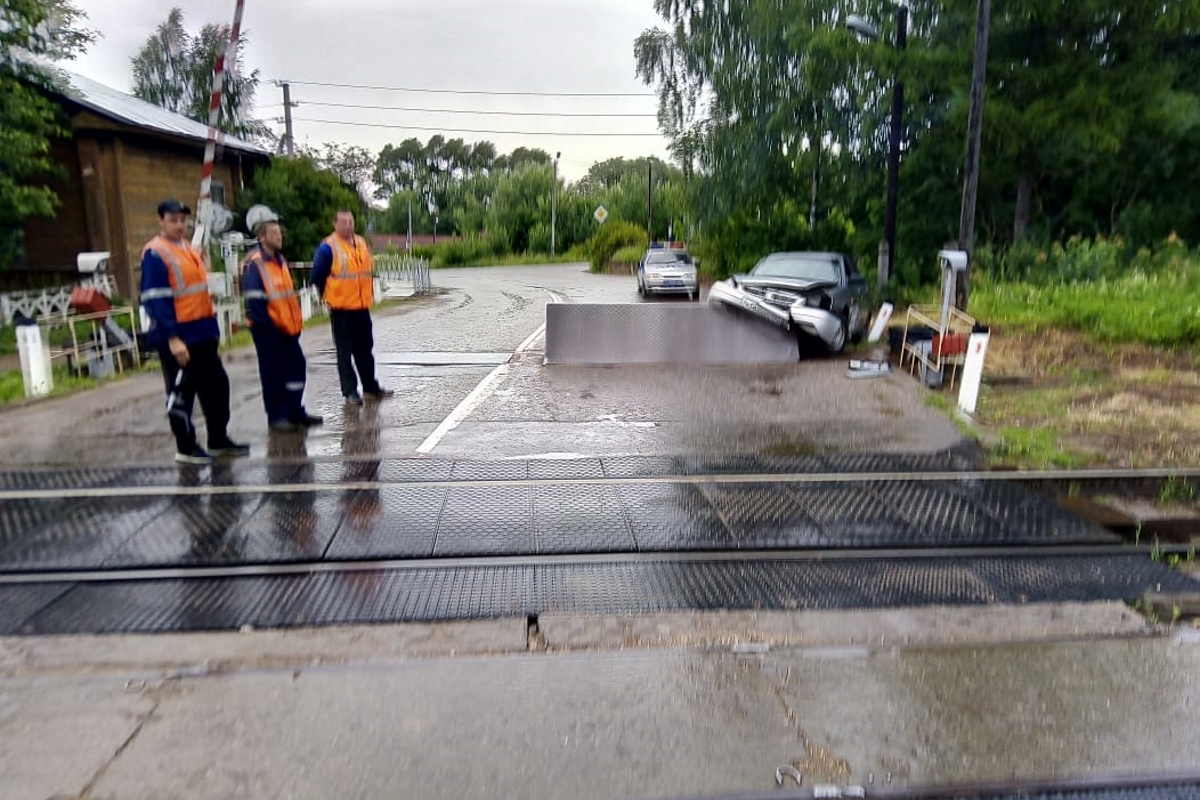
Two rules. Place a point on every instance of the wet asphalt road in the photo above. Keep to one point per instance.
(436, 351)
(306, 727)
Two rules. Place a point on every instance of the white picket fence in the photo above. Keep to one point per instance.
(397, 275)
(50, 302)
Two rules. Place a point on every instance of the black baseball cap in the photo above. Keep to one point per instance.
(172, 207)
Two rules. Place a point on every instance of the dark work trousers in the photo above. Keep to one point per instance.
(352, 336)
(282, 368)
(203, 377)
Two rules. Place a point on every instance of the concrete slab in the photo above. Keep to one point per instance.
(776, 409)
(903, 627)
(56, 739)
(651, 724)
(201, 653)
(651, 333)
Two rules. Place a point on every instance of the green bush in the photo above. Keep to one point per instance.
(738, 242)
(611, 237)
(1079, 259)
(306, 198)
(628, 255)
(466, 252)
(539, 238)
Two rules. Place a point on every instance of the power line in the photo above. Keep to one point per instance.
(465, 130)
(469, 91)
(464, 111)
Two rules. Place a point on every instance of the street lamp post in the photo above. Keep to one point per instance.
(867, 30)
(554, 206)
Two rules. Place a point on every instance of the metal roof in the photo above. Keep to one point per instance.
(126, 108)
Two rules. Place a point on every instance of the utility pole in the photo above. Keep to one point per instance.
(289, 140)
(554, 205)
(966, 221)
(649, 201)
(887, 248)
(893, 178)
(408, 243)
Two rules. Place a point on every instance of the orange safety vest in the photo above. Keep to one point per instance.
(350, 286)
(188, 278)
(283, 306)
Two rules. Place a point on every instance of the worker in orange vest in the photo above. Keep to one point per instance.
(273, 311)
(183, 328)
(342, 272)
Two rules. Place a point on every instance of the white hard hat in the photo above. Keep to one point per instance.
(259, 214)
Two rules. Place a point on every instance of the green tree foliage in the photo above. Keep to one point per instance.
(520, 204)
(307, 198)
(470, 189)
(779, 118)
(30, 32)
(174, 70)
(353, 165)
(620, 185)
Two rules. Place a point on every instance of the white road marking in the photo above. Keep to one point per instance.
(483, 390)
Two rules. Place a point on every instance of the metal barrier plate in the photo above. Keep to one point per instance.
(647, 504)
(494, 591)
(661, 333)
(403, 522)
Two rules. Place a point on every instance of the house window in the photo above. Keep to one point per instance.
(218, 193)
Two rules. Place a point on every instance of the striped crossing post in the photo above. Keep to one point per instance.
(224, 61)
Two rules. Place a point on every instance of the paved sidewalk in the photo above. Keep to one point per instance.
(466, 712)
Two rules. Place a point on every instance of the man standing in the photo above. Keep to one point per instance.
(273, 311)
(183, 328)
(342, 273)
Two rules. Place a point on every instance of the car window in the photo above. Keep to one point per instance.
(798, 266)
(668, 258)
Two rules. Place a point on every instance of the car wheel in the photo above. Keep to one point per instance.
(839, 340)
(641, 288)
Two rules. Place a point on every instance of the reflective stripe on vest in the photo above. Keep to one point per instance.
(283, 306)
(350, 286)
(188, 279)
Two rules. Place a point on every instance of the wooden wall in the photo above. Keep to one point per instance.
(151, 173)
(111, 181)
(52, 242)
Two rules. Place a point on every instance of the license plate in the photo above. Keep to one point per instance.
(672, 282)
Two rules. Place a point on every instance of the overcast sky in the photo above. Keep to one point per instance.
(568, 46)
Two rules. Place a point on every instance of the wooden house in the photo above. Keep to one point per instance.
(123, 156)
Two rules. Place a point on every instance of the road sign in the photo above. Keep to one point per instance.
(600, 214)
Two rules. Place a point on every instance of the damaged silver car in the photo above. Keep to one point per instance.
(820, 295)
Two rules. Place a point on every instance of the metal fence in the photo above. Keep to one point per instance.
(50, 302)
(400, 275)
(400, 271)
(395, 276)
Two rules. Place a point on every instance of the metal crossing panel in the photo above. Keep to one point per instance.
(617, 587)
(421, 508)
